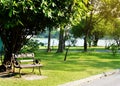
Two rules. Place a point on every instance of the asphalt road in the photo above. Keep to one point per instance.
(112, 80)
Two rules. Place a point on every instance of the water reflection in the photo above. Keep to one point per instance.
(80, 42)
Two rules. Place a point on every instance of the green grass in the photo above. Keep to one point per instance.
(78, 65)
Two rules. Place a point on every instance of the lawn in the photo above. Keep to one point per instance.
(78, 65)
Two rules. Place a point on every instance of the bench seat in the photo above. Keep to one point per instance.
(28, 65)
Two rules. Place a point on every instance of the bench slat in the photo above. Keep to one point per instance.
(27, 60)
(29, 65)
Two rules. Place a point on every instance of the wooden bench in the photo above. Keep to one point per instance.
(25, 60)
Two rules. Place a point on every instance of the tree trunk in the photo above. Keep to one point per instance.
(8, 46)
(95, 42)
(61, 41)
(65, 58)
(85, 44)
(88, 27)
(64, 42)
(7, 57)
(89, 42)
(49, 40)
(13, 40)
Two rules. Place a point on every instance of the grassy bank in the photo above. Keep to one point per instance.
(78, 65)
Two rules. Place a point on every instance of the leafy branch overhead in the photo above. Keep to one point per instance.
(20, 18)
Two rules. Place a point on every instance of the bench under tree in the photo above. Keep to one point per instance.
(25, 60)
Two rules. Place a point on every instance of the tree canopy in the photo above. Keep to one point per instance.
(20, 18)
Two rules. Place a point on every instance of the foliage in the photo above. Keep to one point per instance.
(73, 41)
(116, 32)
(109, 9)
(78, 30)
(30, 46)
(114, 49)
(72, 16)
(86, 24)
(20, 18)
(96, 23)
(101, 29)
(62, 12)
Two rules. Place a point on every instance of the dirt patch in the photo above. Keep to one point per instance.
(33, 77)
(24, 76)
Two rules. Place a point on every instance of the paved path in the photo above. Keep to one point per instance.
(105, 79)
(113, 80)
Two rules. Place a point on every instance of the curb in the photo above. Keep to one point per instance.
(89, 79)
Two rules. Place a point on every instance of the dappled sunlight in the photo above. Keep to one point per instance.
(78, 65)
(82, 63)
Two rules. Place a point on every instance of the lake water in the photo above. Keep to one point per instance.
(80, 42)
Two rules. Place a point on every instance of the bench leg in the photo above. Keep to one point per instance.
(33, 70)
(19, 72)
(40, 71)
(13, 70)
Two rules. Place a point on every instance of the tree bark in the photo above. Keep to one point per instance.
(95, 42)
(13, 40)
(7, 57)
(88, 29)
(65, 58)
(61, 41)
(85, 44)
(49, 40)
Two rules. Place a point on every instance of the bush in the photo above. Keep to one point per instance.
(42, 44)
(114, 49)
(30, 46)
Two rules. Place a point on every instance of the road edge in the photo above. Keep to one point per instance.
(91, 78)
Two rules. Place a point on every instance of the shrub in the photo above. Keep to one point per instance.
(30, 46)
(114, 49)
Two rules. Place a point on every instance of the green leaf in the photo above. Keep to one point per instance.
(11, 13)
(53, 4)
(20, 22)
(85, 1)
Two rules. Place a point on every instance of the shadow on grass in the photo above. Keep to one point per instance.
(82, 66)
(8, 75)
(80, 61)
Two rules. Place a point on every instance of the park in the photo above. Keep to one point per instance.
(52, 64)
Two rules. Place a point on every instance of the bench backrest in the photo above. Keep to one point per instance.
(24, 57)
